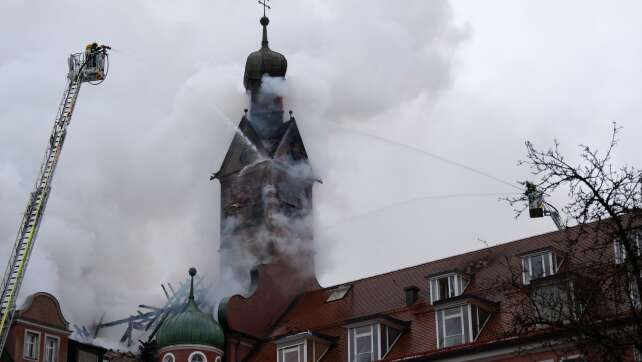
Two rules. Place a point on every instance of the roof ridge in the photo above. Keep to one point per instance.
(494, 247)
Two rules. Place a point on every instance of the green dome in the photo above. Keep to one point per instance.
(190, 326)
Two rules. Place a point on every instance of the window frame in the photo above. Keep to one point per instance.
(468, 333)
(356, 335)
(196, 353)
(338, 293)
(36, 345)
(459, 314)
(314, 346)
(389, 344)
(300, 346)
(57, 348)
(527, 273)
(619, 252)
(460, 285)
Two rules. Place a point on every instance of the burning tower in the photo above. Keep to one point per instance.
(266, 180)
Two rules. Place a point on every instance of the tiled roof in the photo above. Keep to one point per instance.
(384, 294)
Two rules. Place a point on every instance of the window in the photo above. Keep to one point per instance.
(539, 265)
(294, 353)
(460, 324)
(51, 348)
(373, 341)
(453, 326)
(338, 293)
(169, 357)
(552, 303)
(389, 337)
(620, 252)
(447, 286)
(305, 346)
(32, 343)
(197, 357)
(363, 344)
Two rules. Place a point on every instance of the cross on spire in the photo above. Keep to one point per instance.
(265, 5)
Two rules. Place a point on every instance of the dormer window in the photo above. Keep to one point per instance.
(293, 353)
(373, 339)
(462, 321)
(539, 265)
(447, 286)
(302, 347)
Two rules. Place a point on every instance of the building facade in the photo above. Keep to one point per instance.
(40, 333)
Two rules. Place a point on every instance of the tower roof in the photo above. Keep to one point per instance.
(263, 61)
(190, 326)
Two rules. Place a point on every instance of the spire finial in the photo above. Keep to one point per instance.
(192, 273)
(265, 6)
(265, 21)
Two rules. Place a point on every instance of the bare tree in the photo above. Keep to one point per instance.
(590, 301)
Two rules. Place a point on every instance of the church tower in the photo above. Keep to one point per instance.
(266, 180)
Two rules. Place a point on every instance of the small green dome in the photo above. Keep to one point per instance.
(190, 326)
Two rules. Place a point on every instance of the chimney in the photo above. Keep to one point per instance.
(412, 293)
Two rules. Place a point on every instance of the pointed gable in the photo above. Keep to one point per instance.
(245, 148)
(291, 146)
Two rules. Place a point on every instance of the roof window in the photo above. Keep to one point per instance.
(338, 293)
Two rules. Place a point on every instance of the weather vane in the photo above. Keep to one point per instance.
(265, 5)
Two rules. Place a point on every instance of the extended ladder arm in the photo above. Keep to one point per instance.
(16, 266)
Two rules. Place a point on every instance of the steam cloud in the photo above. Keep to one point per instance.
(132, 205)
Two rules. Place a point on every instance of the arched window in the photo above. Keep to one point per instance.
(169, 357)
(197, 357)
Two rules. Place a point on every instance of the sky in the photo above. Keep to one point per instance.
(377, 88)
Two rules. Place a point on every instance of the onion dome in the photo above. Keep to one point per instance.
(263, 61)
(190, 326)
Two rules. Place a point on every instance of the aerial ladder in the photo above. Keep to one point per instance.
(538, 207)
(91, 67)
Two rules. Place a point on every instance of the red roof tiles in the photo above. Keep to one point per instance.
(384, 294)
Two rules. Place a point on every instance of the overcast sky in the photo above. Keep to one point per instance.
(371, 84)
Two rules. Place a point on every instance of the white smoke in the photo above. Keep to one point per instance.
(274, 85)
(132, 205)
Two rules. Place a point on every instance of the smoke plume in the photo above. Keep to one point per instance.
(132, 205)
